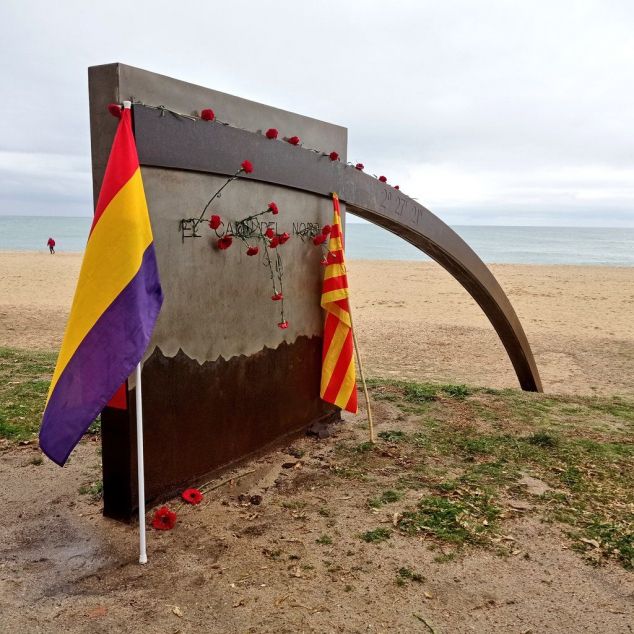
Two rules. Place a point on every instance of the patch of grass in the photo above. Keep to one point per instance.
(324, 540)
(377, 535)
(456, 391)
(408, 573)
(542, 439)
(387, 497)
(393, 436)
(469, 517)
(94, 490)
(24, 382)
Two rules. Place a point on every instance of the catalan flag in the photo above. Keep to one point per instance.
(338, 385)
(116, 304)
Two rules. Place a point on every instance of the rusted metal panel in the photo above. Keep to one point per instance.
(204, 417)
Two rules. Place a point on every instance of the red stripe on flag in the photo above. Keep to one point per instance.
(334, 284)
(119, 171)
(340, 371)
(352, 405)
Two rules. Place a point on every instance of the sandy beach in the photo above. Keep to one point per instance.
(413, 320)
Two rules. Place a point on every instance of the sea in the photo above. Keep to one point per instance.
(494, 244)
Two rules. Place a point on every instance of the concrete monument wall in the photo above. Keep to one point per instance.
(220, 379)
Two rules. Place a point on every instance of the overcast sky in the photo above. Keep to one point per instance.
(487, 112)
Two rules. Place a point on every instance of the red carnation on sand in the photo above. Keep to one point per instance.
(284, 238)
(193, 496)
(247, 166)
(277, 297)
(115, 110)
(359, 166)
(207, 114)
(273, 208)
(294, 140)
(283, 325)
(269, 233)
(271, 133)
(333, 156)
(396, 187)
(319, 239)
(275, 241)
(326, 229)
(215, 222)
(164, 519)
(383, 179)
(253, 250)
(224, 243)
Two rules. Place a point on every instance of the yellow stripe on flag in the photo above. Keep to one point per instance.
(112, 258)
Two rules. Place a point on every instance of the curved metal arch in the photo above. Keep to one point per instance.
(166, 140)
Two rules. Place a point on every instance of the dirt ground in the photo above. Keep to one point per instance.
(413, 320)
(292, 563)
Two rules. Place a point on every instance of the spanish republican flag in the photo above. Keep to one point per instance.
(116, 304)
(338, 384)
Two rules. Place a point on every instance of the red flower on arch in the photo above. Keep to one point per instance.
(333, 156)
(192, 496)
(320, 238)
(271, 133)
(359, 166)
(247, 167)
(164, 519)
(115, 110)
(284, 237)
(294, 140)
(273, 208)
(215, 221)
(207, 114)
(383, 179)
(253, 250)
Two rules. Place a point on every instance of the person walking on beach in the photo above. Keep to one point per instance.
(51, 245)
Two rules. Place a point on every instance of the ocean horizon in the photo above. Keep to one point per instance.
(606, 246)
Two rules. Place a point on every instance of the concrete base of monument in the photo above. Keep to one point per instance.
(259, 402)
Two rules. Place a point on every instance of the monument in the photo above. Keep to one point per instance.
(221, 380)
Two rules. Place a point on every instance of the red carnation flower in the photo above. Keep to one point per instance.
(359, 166)
(164, 519)
(253, 250)
(294, 140)
(224, 243)
(326, 229)
(320, 238)
(277, 297)
(273, 208)
(207, 114)
(283, 325)
(269, 233)
(383, 179)
(396, 187)
(115, 110)
(215, 222)
(247, 166)
(271, 133)
(284, 238)
(275, 241)
(193, 496)
(333, 156)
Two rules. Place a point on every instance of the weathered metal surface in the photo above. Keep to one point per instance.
(205, 417)
(166, 140)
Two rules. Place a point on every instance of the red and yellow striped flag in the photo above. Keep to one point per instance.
(338, 385)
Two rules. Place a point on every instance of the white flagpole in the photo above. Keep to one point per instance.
(140, 466)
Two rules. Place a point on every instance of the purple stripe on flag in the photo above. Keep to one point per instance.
(102, 362)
